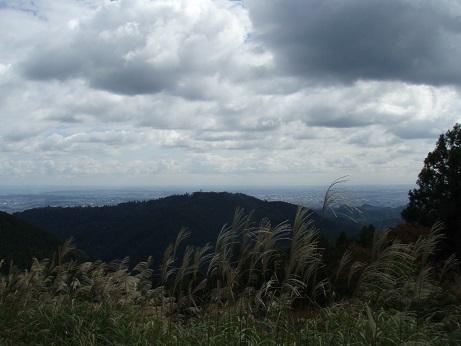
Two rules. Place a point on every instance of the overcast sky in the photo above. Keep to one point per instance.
(202, 92)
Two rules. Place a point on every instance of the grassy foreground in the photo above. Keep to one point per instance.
(94, 324)
(259, 285)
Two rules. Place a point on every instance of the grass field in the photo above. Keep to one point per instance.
(259, 285)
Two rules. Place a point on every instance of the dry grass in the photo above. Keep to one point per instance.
(254, 273)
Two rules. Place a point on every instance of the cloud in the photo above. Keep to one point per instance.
(348, 40)
(84, 166)
(285, 92)
(143, 47)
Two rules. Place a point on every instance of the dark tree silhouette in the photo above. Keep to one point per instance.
(21, 241)
(438, 194)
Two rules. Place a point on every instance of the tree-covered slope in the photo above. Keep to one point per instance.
(437, 196)
(139, 229)
(380, 217)
(20, 241)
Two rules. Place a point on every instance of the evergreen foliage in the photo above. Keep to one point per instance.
(438, 194)
(141, 229)
(21, 241)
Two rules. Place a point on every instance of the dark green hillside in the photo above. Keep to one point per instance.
(380, 217)
(21, 241)
(139, 229)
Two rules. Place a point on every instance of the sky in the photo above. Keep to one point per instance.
(202, 92)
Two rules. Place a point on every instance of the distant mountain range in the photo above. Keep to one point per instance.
(20, 198)
(139, 229)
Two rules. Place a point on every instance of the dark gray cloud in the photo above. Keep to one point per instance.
(414, 41)
(97, 91)
(142, 47)
(102, 69)
(335, 117)
(52, 64)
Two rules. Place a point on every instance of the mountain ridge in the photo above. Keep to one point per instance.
(20, 241)
(140, 229)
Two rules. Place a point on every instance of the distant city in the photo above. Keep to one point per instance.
(14, 199)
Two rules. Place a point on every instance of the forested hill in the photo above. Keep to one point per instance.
(21, 241)
(139, 229)
(380, 217)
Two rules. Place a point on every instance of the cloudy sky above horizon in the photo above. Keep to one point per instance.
(202, 92)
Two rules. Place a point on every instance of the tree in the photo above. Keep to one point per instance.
(438, 193)
(366, 235)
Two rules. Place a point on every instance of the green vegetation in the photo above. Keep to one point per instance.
(438, 195)
(141, 229)
(85, 324)
(259, 284)
(20, 241)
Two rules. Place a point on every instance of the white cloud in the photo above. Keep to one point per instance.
(143, 47)
(175, 91)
